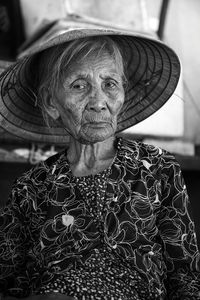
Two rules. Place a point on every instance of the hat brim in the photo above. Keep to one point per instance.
(153, 71)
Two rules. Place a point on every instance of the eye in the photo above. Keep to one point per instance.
(111, 84)
(79, 85)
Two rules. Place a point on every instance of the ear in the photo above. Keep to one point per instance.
(49, 105)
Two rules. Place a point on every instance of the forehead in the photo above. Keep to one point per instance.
(95, 62)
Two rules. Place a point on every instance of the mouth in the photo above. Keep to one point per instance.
(98, 124)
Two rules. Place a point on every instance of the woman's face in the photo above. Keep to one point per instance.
(90, 98)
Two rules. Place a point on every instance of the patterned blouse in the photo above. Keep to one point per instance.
(125, 233)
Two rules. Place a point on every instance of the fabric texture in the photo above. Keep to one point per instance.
(133, 225)
(153, 71)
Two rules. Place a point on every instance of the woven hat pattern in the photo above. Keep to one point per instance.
(153, 77)
(153, 71)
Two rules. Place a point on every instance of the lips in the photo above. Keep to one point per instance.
(96, 120)
(93, 117)
(98, 124)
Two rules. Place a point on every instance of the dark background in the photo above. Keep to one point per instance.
(11, 29)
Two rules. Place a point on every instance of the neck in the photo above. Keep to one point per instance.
(86, 159)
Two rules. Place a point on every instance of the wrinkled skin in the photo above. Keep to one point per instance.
(88, 102)
(90, 98)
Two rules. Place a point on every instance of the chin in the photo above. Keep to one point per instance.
(92, 139)
(89, 135)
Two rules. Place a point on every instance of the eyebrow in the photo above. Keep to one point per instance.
(111, 75)
(87, 76)
(78, 75)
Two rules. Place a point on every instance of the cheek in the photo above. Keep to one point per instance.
(118, 103)
(70, 111)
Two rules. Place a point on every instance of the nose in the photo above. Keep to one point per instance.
(97, 101)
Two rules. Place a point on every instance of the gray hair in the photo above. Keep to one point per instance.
(55, 61)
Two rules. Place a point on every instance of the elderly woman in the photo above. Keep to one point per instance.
(106, 218)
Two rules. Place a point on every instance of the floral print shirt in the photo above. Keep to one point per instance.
(131, 222)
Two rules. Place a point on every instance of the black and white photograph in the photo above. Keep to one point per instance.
(99, 150)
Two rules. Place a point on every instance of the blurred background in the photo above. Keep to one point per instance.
(175, 127)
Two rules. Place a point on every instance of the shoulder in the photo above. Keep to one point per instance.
(33, 183)
(151, 154)
(39, 172)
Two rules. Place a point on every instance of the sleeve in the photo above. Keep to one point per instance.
(177, 232)
(14, 243)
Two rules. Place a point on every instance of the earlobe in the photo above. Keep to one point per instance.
(53, 112)
(49, 105)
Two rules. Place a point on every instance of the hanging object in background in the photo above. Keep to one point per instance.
(11, 29)
(39, 153)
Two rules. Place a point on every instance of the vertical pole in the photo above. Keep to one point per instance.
(162, 18)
